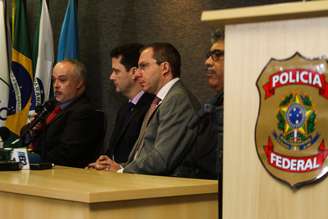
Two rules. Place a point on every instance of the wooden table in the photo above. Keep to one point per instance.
(69, 193)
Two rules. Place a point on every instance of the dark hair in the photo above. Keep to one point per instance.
(166, 52)
(129, 54)
(217, 35)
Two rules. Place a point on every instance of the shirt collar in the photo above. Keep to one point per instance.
(65, 104)
(68, 102)
(136, 98)
(166, 88)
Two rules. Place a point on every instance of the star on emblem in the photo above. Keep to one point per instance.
(296, 119)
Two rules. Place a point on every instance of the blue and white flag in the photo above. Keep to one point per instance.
(4, 64)
(68, 39)
(45, 59)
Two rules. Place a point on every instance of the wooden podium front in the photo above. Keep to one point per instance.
(253, 36)
(69, 193)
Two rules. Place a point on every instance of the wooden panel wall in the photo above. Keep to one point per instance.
(249, 191)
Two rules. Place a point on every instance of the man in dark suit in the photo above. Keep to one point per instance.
(131, 114)
(165, 138)
(205, 159)
(215, 78)
(71, 130)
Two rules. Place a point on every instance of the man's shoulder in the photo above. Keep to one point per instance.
(180, 92)
(81, 104)
(177, 88)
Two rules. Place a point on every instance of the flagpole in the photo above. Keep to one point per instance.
(4, 64)
(13, 10)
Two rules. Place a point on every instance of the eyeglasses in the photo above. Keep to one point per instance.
(215, 54)
(142, 66)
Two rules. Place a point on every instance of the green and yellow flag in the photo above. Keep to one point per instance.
(21, 75)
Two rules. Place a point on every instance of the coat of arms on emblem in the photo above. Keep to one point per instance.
(292, 123)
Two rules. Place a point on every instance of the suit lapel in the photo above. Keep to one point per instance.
(125, 123)
(137, 108)
(152, 114)
(140, 141)
(64, 111)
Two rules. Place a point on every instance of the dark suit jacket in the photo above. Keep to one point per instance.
(167, 139)
(205, 158)
(127, 127)
(71, 138)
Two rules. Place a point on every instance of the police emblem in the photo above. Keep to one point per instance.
(291, 128)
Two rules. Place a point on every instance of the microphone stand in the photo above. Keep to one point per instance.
(26, 134)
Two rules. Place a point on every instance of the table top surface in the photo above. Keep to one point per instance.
(91, 186)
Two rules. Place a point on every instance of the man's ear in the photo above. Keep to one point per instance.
(133, 72)
(166, 67)
(80, 84)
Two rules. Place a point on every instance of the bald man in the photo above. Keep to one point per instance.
(69, 134)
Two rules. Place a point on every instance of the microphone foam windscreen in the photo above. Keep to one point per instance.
(4, 133)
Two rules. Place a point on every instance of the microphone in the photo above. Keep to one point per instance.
(43, 112)
(26, 133)
(9, 138)
(4, 133)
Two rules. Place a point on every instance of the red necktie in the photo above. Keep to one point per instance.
(53, 115)
(139, 142)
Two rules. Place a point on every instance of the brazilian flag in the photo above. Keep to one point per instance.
(21, 75)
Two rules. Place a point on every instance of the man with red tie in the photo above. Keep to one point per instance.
(164, 139)
(70, 133)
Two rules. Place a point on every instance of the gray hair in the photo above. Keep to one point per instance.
(79, 68)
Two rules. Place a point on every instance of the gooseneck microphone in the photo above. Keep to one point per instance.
(26, 134)
(42, 112)
(4, 133)
(9, 138)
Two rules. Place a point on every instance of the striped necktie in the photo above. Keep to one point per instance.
(53, 115)
(138, 144)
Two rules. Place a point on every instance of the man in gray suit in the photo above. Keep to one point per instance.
(165, 138)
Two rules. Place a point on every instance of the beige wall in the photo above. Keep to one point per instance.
(249, 191)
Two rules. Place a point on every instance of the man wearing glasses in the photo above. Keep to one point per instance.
(165, 138)
(205, 160)
(215, 78)
(215, 62)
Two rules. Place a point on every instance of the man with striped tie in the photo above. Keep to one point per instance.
(164, 139)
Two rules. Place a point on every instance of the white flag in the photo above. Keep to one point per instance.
(45, 60)
(4, 64)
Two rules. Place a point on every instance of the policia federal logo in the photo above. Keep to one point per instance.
(292, 123)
